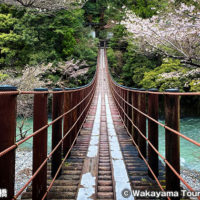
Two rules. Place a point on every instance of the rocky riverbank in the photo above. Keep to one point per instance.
(23, 168)
(192, 177)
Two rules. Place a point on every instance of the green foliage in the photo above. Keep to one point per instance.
(53, 78)
(3, 76)
(136, 64)
(95, 16)
(29, 37)
(129, 66)
(9, 41)
(145, 8)
(6, 22)
(112, 58)
(161, 78)
(115, 59)
(9, 44)
(138, 70)
(68, 41)
(195, 86)
(86, 49)
(98, 14)
(117, 41)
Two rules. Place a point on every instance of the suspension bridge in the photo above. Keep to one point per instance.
(104, 141)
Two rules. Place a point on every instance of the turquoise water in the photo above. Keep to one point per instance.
(29, 143)
(190, 153)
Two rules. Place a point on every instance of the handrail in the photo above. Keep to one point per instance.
(49, 156)
(131, 104)
(43, 128)
(70, 103)
(159, 123)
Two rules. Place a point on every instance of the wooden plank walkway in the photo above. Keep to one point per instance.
(103, 161)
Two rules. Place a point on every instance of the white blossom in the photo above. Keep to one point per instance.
(175, 33)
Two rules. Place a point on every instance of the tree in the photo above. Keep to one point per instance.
(29, 37)
(95, 14)
(174, 33)
(10, 42)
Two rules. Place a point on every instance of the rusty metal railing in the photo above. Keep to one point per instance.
(135, 106)
(69, 111)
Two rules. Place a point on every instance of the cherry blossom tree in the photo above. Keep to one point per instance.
(174, 33)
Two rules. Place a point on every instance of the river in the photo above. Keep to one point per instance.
(190, 153)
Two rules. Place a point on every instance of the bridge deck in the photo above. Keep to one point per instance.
(103, 161)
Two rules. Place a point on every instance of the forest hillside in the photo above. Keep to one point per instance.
(151, 44)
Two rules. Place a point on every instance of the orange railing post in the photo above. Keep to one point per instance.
(135, 116)
(153, 132)
(121, 94)
(129, 112)
(57, 110)
(132, 114)
(82, 105)
(117, 99)
(125, 106)
(172, 141)
(142, 122)
(78, 96)
(40, 119)
(74, 114)
(67, 122)
(8, 106)
(120, 102)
